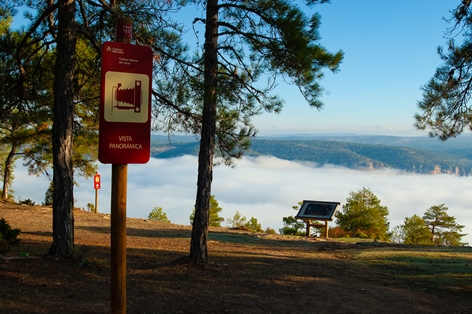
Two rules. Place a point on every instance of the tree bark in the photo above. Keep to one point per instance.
(198, 243)
(63, 199)
(7, 172)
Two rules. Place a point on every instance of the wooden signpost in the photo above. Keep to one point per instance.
(124, 135)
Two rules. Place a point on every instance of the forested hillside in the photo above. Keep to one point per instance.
(348, 153)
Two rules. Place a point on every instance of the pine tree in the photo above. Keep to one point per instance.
(415, 231)
(363, 216)
(444, 229)
(214, 218)
(158, 214)
(253, 225)
(292, 226)
(75, 40)
(25, 101)
(237, 221)
(445, 107)
(62, 135)
(246, 42)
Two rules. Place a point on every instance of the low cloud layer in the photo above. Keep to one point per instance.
(265, 188)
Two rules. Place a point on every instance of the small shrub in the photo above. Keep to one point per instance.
(48, 196)
(337, 232)
(157, 214)
(26, 202)
(8, 237)
(10, 196)
(292, 226)
(244, 228)
(361, 234)
(91, 207)
(236, 221)
(253, 225)
(81, 256)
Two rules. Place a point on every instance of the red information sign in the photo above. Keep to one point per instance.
(96, 181)
(125, 104)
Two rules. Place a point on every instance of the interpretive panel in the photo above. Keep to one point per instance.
(317, 210)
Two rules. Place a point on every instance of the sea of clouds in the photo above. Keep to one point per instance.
(265, 188)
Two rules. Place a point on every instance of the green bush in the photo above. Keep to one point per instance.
(237, 221)
(337, 232)
(361, 234)
(157, 214)
(48, 196)
(26, 202)
(253, 225)
(10, 196)
(91, 207)
(8, 237)
(292, 226)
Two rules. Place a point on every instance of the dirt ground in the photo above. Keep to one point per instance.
(247, 273)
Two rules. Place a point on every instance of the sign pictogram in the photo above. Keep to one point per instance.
(96, 181)
(125, 104)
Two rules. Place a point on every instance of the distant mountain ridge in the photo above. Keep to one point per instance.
(411, 154)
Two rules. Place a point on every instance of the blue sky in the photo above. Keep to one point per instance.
(390, 52)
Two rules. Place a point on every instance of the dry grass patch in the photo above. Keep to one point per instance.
(247, 273)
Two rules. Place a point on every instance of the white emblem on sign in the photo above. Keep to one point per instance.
(126, 97)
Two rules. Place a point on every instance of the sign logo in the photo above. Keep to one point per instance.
(126, 97)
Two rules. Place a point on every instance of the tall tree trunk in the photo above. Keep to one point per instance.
(198, 243)
(7, 172)
(63, 198)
